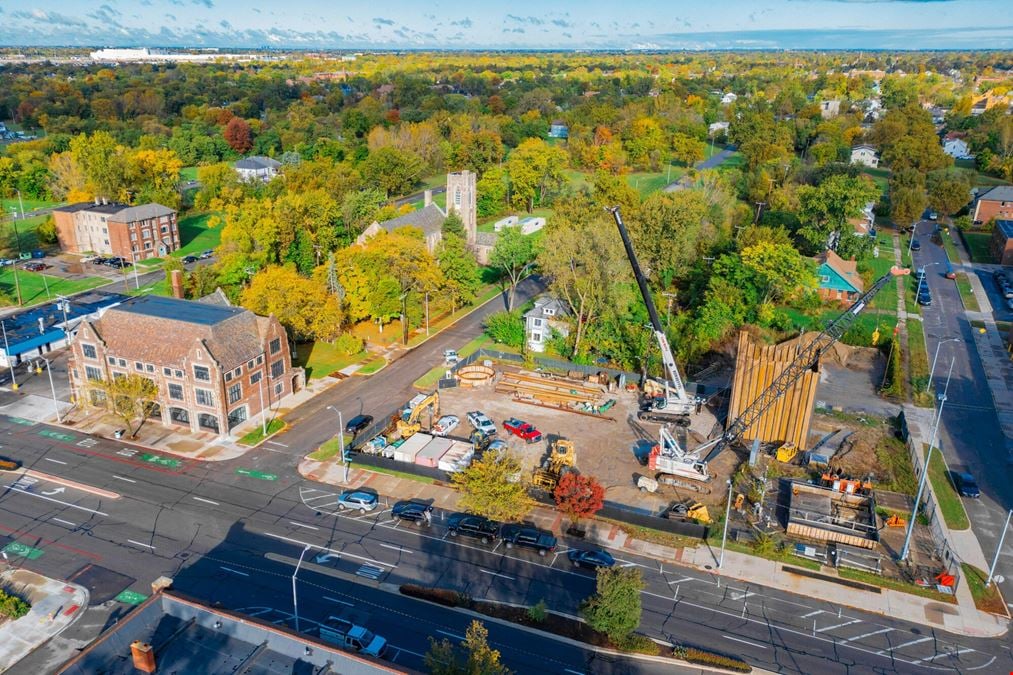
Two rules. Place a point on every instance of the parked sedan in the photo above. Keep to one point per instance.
(470, 525)
(35, 266)
(924, 299)
(445, 425)
(188, 259)
(966, 485)
(207, 254)
(419, 513)
(357, 499)
(915, 246)
(522, 429)
(590, 559)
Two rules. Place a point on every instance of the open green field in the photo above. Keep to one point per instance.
(9, 203)
(881, 177)
(26, 234)
(977, 243)
(34, 285)
(196, 235)
(861, 332)
(188, 173)
(320, 359)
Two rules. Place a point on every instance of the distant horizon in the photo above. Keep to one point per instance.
(527, 25)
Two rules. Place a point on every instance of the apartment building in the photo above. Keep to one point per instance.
(113, 229)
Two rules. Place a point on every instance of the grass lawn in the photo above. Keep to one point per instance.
(861, 332)
(429, 380)
(188, 173)
(398, 474)
(918, 363)
(484, 295)
(647, 182)
(320, 359)
(733, 161)
(977, 244)
(894, 584)
(29, 204)
(987, 599)
(26, 234)
(196, 235)
(951, 247)
(329, 449)
(160, 287)
(966, 294)
(257, 435)
(372, 366)
(34, 285)
(872, 269)
(946, 495)
(785, 555)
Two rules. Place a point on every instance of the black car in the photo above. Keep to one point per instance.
(471, 525)
(528, 536)
(590, 559)
(966, 485)
(189, 259)
(924, 299)
(416, 512)
(915, 246)
(358, 423)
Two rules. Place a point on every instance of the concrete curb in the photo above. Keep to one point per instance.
(72, 484)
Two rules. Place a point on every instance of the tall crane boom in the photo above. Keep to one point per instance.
(676, 401)
(806, 359)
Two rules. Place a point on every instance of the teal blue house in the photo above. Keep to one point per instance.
(838, 278)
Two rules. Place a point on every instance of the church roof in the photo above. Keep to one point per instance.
(428, 219)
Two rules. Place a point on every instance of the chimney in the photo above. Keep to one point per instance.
(97, 202)
(176, 279)
(428, 197)
(104, 202)
(144, 656)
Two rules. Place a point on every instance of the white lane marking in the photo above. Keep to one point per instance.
(740, 595)
(575, 672)
(277, 443)
(229, 569)
(50, 499)
(259, 612)
(206, 501)
(308, 527)
(862, 637)
(131, 541)
(65, 522)
(54, 461)
(280, 452)
(400, 549)
(340, 554)
(818, 611)
(681, 581)
(496, 574)
(340, 602)
(745, 642)
(453, 635)
(933, 658)
(906, 644)
(840, 625)
(126, 480)
(305, 499)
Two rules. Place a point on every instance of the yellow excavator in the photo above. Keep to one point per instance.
(562, 458)
(410, 422)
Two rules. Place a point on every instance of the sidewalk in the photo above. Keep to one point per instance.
(55, 605)
(962, 618)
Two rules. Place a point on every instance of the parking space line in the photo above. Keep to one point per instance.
(818, 611)
(496, 574)
(65, 522)
(54, 461)
(138, 543)
(745, 642)
(840, 625)
(448, 634)
(862, 637)
(206, 501)
(906, 644)
(680, 581)
(125, 480)
(933, 658)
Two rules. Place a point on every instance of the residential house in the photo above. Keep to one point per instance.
(829, 109)
(729, 98)
(1002, 242)
(717, 128)
(109, 228)
(865, 155)
(838, 278)
(558, 129)
(544, 320)
(955, 146)
(864, 224)
(995, 203)
(215, 366)
(257, 168)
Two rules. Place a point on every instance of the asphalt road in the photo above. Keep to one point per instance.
(226, 536)
(969, 430)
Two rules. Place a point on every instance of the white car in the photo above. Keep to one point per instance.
(480, 421)
(445, 425)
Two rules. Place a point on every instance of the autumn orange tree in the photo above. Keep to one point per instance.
(578, 496)
(237, 135)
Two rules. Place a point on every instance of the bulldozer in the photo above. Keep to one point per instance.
(562, 458)
(410, 421)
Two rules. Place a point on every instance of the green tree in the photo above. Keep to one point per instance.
(460, 270)
(687, 149)
(511, 255)
(132, 398)
(203, 280)
(907, 204)
(612, 190)
(46, 231)
(949, 190)
(536, 171)
(478, 657)
(492, 192)
(506, 328)
(453, 225)
(393, 171)
(784, 274)
(359, 210)
(615, 608)
(824, 210)
(490, 487)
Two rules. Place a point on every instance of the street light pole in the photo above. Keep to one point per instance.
(724, 535)
(295, 597)
(56, 404)
(1002, 540)
(427, 312)
(7, 351)
(17, 239)
(925, 470)
(21, 204)
(932, 371)
(133, 263)
(263, 413)
(341, 440)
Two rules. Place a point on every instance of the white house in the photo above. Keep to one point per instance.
(544, 320)
(257, 168)
(956, 147)
(728, 98)
(830, 109)
(865, 155)
(717, 128)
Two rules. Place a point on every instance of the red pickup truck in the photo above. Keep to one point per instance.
(523, 430)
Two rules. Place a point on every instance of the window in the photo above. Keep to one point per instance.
(536, 337)
(138, 366)
(237, 372)
(255, 378)
(123, 363)
(167, 372)
(206, 421)
(825, 279)
(133, 236)
(146, 234)
(179, 373)
(150, 368)
(164, 229)
(202, 373)
(536, 322)
(147, 246)
(89, 351)
(205, 397)
(117, 376)
(549, 312)
(92, 373)
(235, 393)
(111, 360)
(249, 364)
(98, 397)
(176, 392)
(275, 345)
(277, 389)
(179, 416)
(228, 377)
(237, 416)
(260, 360)
(277, 368)
(457, 196)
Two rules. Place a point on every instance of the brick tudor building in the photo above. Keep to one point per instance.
(214, 364)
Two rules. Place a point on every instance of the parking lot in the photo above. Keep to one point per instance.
(1000, 309)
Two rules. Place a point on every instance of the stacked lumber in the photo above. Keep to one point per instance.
(556, 391)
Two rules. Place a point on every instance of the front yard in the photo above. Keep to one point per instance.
(977, 245)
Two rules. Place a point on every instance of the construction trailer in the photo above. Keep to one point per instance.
(824, 514)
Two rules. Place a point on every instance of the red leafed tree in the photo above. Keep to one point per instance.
(237, 135)
(579, 496)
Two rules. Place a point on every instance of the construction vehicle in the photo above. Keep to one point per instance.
(689, 510)
(410, 420)
(672, 458)
(665, 400)
(786, 452)
(838, 483)
(896, 521)
(562, 458)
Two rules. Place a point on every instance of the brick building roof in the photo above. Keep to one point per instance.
(161, 330)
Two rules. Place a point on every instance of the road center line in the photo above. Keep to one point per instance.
(340, 602)
(65, 522)
(496, 574)
(340, 554)
(399, 549)
(229, 569)
(54, 461)
(206, 501)
(131, 541)
(308, 527)
(50, 499)
(745, 642)
(453, 635)
(128, 480)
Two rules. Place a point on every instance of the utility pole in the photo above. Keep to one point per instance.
(17, 239)
(295, 598)
(427, 313)
(7, 351)
(724, 535)
(1002, 540)
(759, 209)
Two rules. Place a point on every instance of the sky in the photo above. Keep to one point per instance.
(519, 24)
